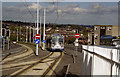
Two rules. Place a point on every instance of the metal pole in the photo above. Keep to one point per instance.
(1, 18)
(26, 34)
(77, 30)
(30, 33)
(20, 33)
(17, 35)
(37, 24)
(35, 29)
(76, 52)
(44, 31)
(40, 31)
(3, 43)
(8, 42)
(33, 34)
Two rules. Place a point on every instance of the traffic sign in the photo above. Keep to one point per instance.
(37, 41)
(77, 35)
(37, 36)
(76, 44)
(44, 41)
(76, 40)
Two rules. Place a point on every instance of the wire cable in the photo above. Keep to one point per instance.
(26, 5)
(57, 13)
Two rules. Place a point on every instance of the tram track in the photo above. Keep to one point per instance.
(18, 56)
(50, 66)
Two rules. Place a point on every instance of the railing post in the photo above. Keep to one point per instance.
(111, 63)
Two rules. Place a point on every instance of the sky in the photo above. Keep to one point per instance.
(61, 0)
(88, 13)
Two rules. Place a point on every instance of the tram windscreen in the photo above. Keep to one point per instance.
(61, 40)
(54, 39)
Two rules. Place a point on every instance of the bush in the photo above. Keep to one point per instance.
(70, 40)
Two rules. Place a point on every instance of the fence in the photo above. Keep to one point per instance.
(100, 60)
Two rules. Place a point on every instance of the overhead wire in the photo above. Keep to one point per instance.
(57, 13)
(26, 5)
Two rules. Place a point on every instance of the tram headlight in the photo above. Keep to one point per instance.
(53, 45)
(61, 45)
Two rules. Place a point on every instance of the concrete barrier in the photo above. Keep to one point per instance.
(100, 60)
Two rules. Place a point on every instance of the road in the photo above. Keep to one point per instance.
(18, 61)
(25, 59)
(26, 62)
(75, 69)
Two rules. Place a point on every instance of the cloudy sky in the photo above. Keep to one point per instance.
(64, 13)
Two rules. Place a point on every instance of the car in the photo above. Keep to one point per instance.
(106, 37)
(117, 46)
(115, 42)
(14, 42)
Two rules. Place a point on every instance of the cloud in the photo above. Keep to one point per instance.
(100, 9)
(75, 9)
(34, 6)
(56, 0)
(68, 13)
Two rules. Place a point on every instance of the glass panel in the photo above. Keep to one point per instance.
(54, 39)
(61, 39)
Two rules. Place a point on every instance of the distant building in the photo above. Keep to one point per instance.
(100, 30)
(91, 38)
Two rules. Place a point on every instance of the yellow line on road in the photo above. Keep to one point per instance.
(52, 70)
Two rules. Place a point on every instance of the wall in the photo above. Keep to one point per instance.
(97, 33)
(99, 60)
(115, 30)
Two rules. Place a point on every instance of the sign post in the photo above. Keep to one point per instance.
(76, 45)
(37, 42)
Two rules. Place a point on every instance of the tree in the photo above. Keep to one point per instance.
(70, 40)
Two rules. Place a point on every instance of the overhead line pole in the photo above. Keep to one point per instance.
(26, 34)
(20, 33)
(37, 24)
(1, 27)
(30, 33)
(40, 31)
(17, 34)
(44, 30)
(33, 34)
(1, 40)
(35, 29)
(1, 17)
